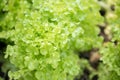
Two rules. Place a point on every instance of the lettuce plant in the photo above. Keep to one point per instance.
(111, 51)
(46, 34)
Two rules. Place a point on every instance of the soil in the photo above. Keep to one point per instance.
(3, 46)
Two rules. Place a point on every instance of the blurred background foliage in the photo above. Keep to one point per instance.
(99, 22)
